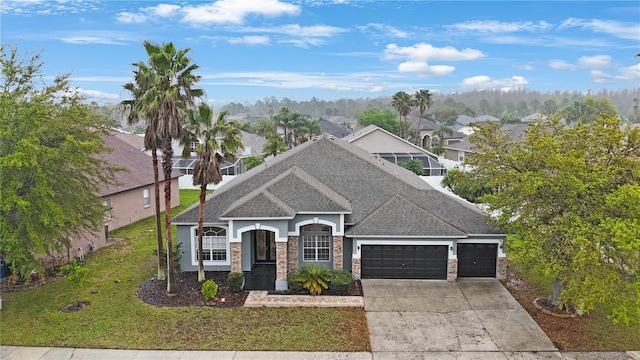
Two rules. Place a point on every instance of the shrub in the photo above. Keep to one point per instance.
(235, 281)
(209, 289)
(75, 273)
(314, 277)
(293, 283)
(340, 281)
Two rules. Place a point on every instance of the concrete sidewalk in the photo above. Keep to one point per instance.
(49, 353)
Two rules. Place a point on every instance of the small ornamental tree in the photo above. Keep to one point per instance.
(75, 273)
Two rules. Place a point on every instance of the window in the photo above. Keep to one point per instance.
(107, 209)
(146, 197)
(316, 242)
(214, 244)
(461, 156)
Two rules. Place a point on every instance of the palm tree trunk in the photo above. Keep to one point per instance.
(203, 194)
(156, 190)
(167, 151)
(419, 135)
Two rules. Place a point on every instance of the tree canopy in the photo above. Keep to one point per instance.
(51, 169)
(384, 119)
(572, 196)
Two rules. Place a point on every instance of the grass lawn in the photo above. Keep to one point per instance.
(116, 318)
(592, 332)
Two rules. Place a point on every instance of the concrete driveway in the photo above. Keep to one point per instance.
(476, 318)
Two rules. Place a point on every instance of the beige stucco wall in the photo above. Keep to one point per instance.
(380, 142)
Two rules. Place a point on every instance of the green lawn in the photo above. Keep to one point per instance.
(116, 318)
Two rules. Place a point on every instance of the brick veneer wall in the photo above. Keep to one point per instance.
(281, 261)
(355, 269)
(236, 257)
(337, 252)
(502, 268)
(452, 269)
(293, 247)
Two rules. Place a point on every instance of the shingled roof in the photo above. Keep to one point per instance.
(330, 175)
(138, 168)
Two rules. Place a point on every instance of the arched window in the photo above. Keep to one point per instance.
(316, 242)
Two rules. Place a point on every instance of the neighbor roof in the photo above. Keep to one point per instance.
(337, 177)
(138, 168)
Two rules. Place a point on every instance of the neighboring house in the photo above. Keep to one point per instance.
(464, 123)
(393, 148)
(330, 202)
(253, 145)
(533, 117)
(427, 131)
(457, 151)
(132, 198)
(342, 121)
(327, 127)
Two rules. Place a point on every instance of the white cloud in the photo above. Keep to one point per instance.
(162, 10)
(130, 18)
(498, 26)
(623, 30)
(425, 69)
(561, 65)
(96, 95)
(630, 73)
(595, 62)
(485, 82)
(383, 30)
(250, 40)
(424, 52)
(300, 36)
(235, 11)
(91, 40)
(528, 67)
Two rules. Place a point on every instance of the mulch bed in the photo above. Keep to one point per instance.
(188, 291)
(566, 333)
(76, 306)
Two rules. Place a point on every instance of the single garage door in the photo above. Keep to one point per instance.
(477, 260)
(404, 261)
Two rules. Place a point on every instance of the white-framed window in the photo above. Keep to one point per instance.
(107, 209)
(461, 156)
(146, 197)
(316, 243)
(215, 246)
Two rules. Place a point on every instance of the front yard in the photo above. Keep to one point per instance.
(117, 318)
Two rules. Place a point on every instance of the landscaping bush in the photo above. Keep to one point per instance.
(293, 284)
(340, 281)
(235, 281)
(314, 277)
(209, 289)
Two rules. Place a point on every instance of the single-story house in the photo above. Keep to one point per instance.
(330, 202)
(395, 149)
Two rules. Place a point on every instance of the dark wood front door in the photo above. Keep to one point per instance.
(265, 246)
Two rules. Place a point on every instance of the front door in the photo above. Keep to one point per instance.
(265, 246)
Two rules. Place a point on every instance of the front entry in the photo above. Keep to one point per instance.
(265, 246)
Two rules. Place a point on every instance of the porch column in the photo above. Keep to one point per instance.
(337, 252)
(502, 268)
(281, 265)
(292, 244)
(236, 257)
(356, 268)
(452, 269)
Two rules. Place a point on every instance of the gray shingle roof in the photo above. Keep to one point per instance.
(343, 173)
(406, 218)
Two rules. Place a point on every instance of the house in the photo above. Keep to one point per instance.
(131, 198)
(393, 148)
(330, 202)
(333, 129)
(459, 150)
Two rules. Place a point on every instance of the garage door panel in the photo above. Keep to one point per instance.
(404, 261)
(477, 260)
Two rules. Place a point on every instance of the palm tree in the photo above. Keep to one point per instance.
(266, 127)
(443, 129)
(253, 161)
(217, 141)
(135, 110)
(170, 91)
(274, 147)
(283, 118)
(424, 101)
(402, 102)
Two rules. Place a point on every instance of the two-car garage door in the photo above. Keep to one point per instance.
(404, 261)
(426, 261)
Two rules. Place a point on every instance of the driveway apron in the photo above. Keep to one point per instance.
(470, 315)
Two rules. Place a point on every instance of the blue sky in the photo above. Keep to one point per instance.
(251, 49)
